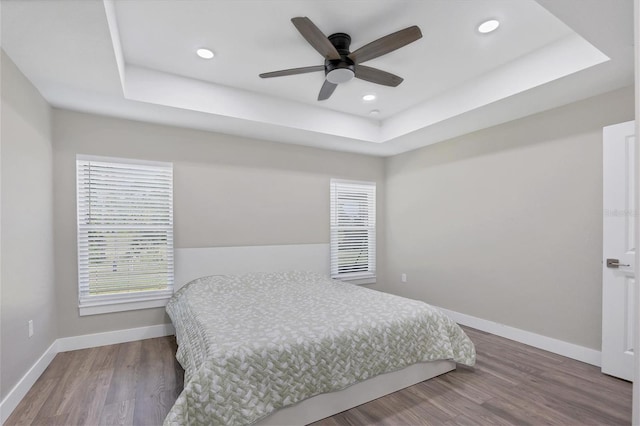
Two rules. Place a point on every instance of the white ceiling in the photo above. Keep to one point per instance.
(136, 59)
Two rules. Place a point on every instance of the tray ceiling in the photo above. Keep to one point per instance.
(136, 59)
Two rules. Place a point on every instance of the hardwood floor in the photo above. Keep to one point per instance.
(136, 383)
(511, 384)
(125, 384)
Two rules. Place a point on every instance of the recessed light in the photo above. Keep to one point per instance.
(368, 98)
(374, 112)
(488, 26)
(204, 53)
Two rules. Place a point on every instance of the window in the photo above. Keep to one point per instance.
(353, 231)
(125, 234)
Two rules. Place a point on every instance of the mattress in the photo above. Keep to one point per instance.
(251, 344)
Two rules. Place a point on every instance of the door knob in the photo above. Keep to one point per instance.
(614, 263)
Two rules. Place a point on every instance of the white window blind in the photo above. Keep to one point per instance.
(125, 231)
(353, 230)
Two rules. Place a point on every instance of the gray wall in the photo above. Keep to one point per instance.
(505, 224)
(228, 191)
(27, 278)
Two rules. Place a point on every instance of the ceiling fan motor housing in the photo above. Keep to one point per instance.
(340, 64)
(340, 70)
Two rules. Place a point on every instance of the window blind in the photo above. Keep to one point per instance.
(125, 231)
(353, 229)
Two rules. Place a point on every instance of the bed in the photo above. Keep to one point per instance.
(294, 347)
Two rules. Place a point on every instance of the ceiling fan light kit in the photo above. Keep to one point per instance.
(340, 75)
(342, 65)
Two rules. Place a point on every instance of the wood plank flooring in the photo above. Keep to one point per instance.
(136, 383)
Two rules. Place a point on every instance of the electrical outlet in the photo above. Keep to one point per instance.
(404, 277)
(30, 328)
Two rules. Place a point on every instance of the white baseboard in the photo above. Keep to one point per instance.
(570, 350)
(13, 398)
(113, 337)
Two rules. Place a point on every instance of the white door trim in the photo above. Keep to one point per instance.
(636, 382)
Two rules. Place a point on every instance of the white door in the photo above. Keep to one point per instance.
(618, 278)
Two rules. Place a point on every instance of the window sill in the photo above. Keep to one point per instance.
(362, 281)
(358, 280)
(121, 306)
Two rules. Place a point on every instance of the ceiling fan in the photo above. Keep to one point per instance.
(341, 65)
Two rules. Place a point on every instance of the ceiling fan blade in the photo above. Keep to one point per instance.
(386, 44)
(315, 37)
(326, 90)
(292, 71)
(377, 76)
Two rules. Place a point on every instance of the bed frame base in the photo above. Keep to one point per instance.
(327, 404)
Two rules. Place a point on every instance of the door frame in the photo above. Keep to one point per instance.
(636, 382)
